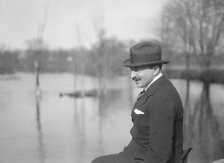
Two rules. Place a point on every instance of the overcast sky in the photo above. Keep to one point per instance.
(124, 19)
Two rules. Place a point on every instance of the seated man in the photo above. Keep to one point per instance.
(157, 115)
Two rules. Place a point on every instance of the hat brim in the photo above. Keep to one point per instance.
(127, 63)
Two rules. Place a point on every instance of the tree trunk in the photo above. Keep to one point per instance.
(207, 132)
(187, 116)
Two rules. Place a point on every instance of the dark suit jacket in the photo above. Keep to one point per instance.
(159, 131)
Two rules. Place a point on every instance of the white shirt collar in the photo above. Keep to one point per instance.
(155, 78)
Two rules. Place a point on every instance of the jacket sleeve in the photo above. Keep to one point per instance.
(161, 130)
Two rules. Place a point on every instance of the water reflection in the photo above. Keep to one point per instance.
(42, 152)
(101, 110)
(80, 127)
(113, 107)
(203, 129)
(57, 129)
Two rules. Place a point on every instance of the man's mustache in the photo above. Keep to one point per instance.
(136, 78)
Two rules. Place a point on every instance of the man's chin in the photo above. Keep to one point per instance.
(138, 85)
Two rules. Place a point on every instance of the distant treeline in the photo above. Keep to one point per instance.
(94, 61)
(103, 59)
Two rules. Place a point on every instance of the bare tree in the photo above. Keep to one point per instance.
(79, 60)
(195, 28)
(37, 46)
(101, 56)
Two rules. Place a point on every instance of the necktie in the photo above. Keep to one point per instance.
(140, 94)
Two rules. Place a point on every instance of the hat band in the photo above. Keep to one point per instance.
(143, 58)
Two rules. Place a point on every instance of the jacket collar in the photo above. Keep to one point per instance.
(156, 85)
(156, 78)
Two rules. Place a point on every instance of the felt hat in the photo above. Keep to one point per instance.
(145, 54)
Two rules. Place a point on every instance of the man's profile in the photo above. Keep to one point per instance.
(157, 115)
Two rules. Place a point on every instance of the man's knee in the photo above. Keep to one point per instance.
(98, 160)
(106, 159)
(94, 161)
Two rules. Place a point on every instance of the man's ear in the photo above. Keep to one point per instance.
(155, 70)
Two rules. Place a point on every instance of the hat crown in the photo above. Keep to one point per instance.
(145, 52)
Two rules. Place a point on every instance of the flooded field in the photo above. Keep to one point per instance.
(58, 129)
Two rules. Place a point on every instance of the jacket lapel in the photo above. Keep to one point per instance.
(150, 91)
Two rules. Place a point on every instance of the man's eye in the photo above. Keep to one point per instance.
(134, 69)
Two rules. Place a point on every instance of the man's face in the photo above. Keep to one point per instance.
(142, 76)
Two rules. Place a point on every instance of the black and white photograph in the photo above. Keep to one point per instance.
(112, 81)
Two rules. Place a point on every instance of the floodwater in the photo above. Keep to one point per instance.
(54, 129)
(58, 129)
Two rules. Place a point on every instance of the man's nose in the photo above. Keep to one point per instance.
(133, 75)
